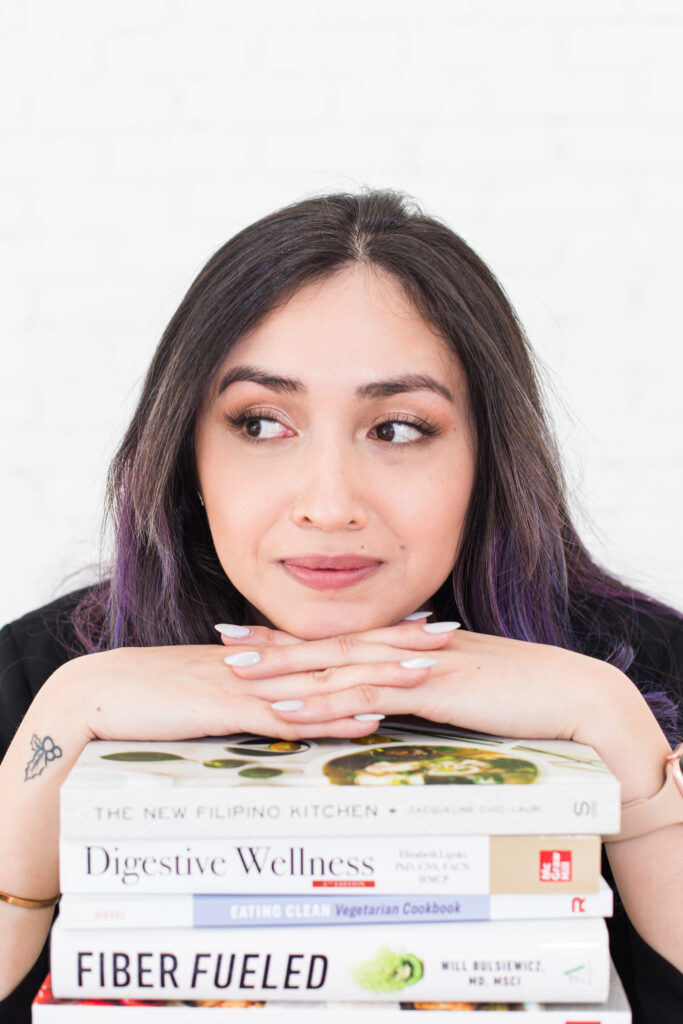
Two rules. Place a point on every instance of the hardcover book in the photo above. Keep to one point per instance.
(379, 864)
(547, 961)
(48, 1010)
(185, 910)
(409, 779)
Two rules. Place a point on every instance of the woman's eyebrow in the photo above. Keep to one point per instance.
(383, 388)
(397, 385)
(285, 385)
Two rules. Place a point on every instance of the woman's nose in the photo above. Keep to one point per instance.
(330, 495)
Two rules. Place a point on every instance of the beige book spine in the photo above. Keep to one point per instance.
(544, 864)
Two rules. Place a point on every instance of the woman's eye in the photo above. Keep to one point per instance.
(263, 428)
(398, 432)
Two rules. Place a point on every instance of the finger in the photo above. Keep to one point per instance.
(258, 636)
(412, 634)
(304, 685)
(260, 719)
(346, 649)
(342, 728)
(366, 699)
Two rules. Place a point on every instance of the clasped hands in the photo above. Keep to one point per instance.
(431, 670)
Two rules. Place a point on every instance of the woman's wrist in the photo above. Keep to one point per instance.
(43, 751)
(71, 695)
(623, 731)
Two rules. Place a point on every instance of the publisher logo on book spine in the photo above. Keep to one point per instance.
(555, 866)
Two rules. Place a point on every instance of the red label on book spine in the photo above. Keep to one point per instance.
(555, 866)
(342, 884)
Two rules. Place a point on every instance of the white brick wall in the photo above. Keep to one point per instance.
(137, 135)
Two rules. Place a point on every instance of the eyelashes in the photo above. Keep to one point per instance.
(248, 422)
(425, 428)
(244, 420)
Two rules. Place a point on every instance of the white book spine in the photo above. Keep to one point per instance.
(220, 911)
(382, 865)
(565, 961)
(276, 866)
(138, 811)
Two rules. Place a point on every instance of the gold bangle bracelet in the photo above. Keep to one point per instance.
(20, 901)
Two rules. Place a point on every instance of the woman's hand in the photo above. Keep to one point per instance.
(168, 693)
(266, 636)
(490, 684)
(484, 683)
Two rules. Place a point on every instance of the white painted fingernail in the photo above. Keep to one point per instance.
(243, 659)
(441, 627)
(287, 705)
(415, 616)
(368, 718)
(419, 662)
(227, 629)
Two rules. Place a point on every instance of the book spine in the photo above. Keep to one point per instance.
(403, 865)
(318, 1013)
(482, 961)
(221, 911)
(134, 812)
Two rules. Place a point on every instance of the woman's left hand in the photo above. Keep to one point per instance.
(489, 684)
(500, 686)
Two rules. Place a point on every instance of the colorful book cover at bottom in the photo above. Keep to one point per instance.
(48, 1010)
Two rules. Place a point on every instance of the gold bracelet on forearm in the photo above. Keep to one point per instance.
(20, 901)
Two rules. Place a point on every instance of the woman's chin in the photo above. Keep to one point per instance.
(326, 625)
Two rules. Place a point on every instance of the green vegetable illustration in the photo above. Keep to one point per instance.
(258, 772)
(389, 971)
(224, 762)
(268, 748)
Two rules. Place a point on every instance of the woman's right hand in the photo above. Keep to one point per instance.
(172, 693)
(132, 693)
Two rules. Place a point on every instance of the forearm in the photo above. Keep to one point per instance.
(649, 877)
(29, 822)
(162, 693)
(648, 871)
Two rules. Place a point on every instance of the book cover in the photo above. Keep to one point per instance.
(48, 1010)
(406, 780)
(547, 961)
(381, 864)
(186, 910)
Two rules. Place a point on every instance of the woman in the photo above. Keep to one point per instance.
(339, 452)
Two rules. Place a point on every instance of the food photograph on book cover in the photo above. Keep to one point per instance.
(466, 759)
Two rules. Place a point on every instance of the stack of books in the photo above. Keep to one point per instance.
(421, 868)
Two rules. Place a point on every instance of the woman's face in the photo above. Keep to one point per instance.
(336, 460)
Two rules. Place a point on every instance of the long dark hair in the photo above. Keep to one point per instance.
(522, 571)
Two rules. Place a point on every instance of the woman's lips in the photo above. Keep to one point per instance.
(325, 572)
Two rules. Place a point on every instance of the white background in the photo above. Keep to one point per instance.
(138, 135)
